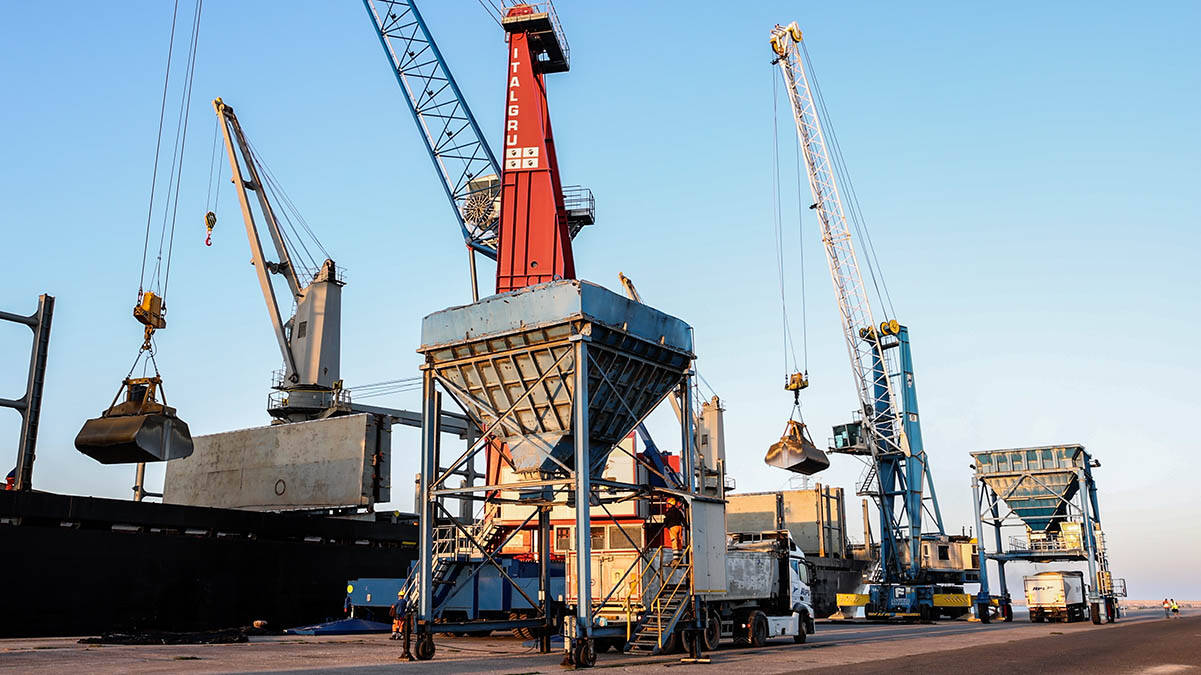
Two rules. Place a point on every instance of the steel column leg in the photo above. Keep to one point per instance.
(982, 598)
(1003, 586)
(1090, 544)
(431, 410)
(544, 597)
(583, 497)
(687, 447)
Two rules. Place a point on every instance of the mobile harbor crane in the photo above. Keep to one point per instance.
(886, 430)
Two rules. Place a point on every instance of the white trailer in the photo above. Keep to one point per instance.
(1056, 596)
(767, 592)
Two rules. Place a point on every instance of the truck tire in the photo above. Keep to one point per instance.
(712, 635)
(757, 629)
(801, 634)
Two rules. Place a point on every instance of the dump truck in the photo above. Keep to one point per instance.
(1056, 596)
(767, 594)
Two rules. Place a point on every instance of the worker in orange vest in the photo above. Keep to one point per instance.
(397, 612)
(674, 520)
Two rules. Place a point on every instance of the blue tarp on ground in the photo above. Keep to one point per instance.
(342, 627)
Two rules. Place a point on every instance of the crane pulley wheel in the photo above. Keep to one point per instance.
(210, 220)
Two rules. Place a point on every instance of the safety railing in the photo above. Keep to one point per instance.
(671, 582)
(545, 7)
(1048, 545)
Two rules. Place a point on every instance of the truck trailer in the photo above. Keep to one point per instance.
(1056, 596)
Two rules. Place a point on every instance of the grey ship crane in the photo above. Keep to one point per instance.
(309, 385)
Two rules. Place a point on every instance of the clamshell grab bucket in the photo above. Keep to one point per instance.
(139, 429)
(795, 452)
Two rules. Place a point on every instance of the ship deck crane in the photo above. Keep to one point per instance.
(310, 340)
(887, 430)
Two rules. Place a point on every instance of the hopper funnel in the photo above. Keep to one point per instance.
(1037, 484)
(510, 360)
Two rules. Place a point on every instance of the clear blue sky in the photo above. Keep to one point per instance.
(1029, 171)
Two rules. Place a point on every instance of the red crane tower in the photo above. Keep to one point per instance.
(534, 244)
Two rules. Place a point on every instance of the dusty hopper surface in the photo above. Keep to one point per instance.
(1035, 482)
(517, 350)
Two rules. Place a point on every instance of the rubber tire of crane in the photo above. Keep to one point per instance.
(757, 629)
(583, 653)
(712, 635)
(1094, 610)
(424, 649)
(982, 613)
(801, 634)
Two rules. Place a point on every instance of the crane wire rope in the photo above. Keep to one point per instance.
(181, 133)
(158, 148)
(291, 217)
(489, 9)
(778, 231)
(800, 228)
(854, 211)
(800, 365)
(217, 167)
(175, 173)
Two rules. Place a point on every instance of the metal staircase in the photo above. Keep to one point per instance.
(866, 485)
(667, 599)
(447, 563)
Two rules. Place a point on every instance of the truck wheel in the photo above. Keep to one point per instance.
(757, 629)
(800, 636)
(712, 635)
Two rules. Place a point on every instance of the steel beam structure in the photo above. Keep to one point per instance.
(29, 406)
(468, 170)
(1048, 491)
(554, 376)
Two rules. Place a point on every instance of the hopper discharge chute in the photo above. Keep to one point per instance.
(796, 452)
(138, 429)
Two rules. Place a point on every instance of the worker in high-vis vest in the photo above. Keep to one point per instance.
(673, 523)
(397, 612)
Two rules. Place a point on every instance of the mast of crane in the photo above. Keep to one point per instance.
(889, 432)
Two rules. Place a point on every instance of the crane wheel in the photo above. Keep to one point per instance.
(583, 654)
(425, 647)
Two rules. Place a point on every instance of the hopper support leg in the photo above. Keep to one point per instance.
(431, 412)
(583, 507)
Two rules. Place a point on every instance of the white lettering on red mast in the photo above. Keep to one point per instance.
(516, 157)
